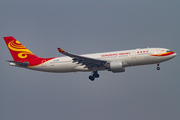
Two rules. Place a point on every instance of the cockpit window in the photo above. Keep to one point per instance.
(168, 51)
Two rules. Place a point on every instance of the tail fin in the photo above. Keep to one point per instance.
(18, 51)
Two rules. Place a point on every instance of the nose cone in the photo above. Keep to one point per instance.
(171, 55)
(174, 55)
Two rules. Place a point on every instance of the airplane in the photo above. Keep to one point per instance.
(115, 61)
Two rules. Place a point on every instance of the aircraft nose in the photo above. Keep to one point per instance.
(174, 55)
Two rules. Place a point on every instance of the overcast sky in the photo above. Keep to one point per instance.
(90, 26)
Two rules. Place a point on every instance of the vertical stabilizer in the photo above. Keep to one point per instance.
(18, 51)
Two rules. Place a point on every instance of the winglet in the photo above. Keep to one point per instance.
(60, 50)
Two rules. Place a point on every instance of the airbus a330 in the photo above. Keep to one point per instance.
(115, 61)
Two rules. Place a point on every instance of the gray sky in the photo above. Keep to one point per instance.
(89, 26)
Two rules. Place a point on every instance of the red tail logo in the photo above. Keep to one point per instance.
(18, 51)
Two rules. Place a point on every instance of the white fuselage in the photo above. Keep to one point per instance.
(128, 57)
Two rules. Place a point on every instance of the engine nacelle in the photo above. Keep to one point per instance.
(117, 66)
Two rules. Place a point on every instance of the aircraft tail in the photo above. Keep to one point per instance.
(18, 51)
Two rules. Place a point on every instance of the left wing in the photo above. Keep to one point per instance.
(83, 60)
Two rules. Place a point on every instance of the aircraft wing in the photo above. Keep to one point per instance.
(83, 60)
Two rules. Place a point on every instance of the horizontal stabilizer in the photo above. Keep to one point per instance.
(22, 64)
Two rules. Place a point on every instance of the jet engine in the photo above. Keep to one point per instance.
(117, 66)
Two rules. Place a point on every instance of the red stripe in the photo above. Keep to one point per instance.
(163, 54)
(169, 53)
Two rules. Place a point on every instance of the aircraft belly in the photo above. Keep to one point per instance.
(142, 60)
(56, 67)
(130, 61)
(66, 67)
